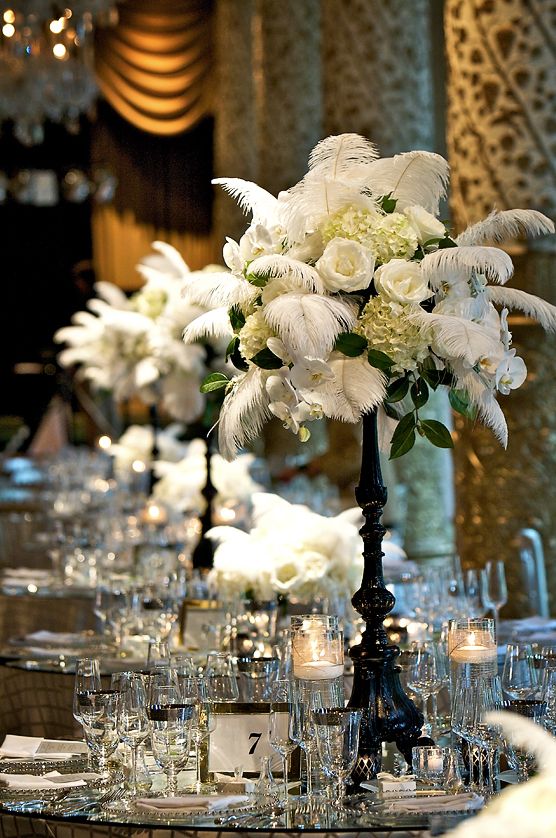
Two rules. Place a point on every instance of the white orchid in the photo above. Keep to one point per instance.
(351, 271)
(136, 444)
(132, 346)
(312, 556)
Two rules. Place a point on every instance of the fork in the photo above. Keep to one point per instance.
(69, 807)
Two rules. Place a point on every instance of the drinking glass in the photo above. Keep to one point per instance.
(133, 722)
(170, 726)
(428, 764)
(521, 760)
(87, 680)
(163, 686)
(118, 604)
(493, 586)
(220, 678)
(194, 692)
(281, 704)
(158, 654)
(255, 678)
(426, 675)
(473, 593)
(519, 676)
(463, 725)
(301, 731)
(337, 738)
(99, 717)
(488, 697)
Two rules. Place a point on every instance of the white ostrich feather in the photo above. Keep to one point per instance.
(251, 198)
(414, 177)
(335, 156)
(488, 410)
(535, 307)
(357, 387)
(455, 336)
(526, 734)
(508, 224)
(494, 263)
(219, 289)
(173, 256)
(214, 324)
(313, 199)
(283, 266)
(111, 294)
(243, 413)
(307, 323)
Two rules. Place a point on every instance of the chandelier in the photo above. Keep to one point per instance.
(46, 63)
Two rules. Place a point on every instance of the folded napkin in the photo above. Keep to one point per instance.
(62, 637)
(441, 803)
(190, 803)
(35, 747)
(51, 780)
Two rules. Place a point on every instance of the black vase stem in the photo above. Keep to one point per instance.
(389, 714)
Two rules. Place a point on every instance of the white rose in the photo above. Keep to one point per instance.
(402, 282)
(346, 265)
(424, 223)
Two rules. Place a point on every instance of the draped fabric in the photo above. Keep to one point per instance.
(154, 67)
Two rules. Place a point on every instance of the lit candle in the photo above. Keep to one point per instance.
(154, 514)
(319, 670)
(477, 647)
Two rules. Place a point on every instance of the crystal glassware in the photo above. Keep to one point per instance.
(426, 676)
(337, 739)
(519, 676)
(158, 654)
(203, 723)
(429, 764)
(256, 676)
(220, 678)
(133, 722)
(279, 732)
(87, 680)
(493, 586)
(170, 727)
(99, 717)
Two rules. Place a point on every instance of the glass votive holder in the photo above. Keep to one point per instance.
(472, 642)
(317, 647)
(429, 764)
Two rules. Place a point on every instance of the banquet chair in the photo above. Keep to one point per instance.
(37, 703)
(22, 614)
(18, 543)
(533, 571)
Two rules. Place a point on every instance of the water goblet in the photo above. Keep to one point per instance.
(158, 654)
(170, 727)
(99, 717)
(337, 738)
(426, 676)
(220, 678)
(519, 677)
(133, 722)
(87, 680)
(255, 678)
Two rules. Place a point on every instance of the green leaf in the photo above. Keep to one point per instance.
(397, 389)
(238, 360)
(267, 360)
(430, 242)
(260, 280)
(437, 433)
(237, 318)
(388, 204)
(390, 411)
(419, 393)
(380, 360)
(434, 377)
(446, 242)
(214, 381)
(459, 400)
(403, 438)
(350, 344)
(232, 346)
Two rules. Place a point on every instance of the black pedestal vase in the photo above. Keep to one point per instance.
(203, 553)
(389, 714)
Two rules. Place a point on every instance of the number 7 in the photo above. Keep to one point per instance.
(256, 736)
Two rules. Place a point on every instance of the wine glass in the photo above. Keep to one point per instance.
(426, 675)
(520, 759)
(220, 678)
(519, 676)
(493, 586)
(281, 703)
(99, 716)
(158, 654)
(170, 726)
(133, 722)
(488, 697)
(473, 593)
(337, 738)
(301, 732)
(87, 680)
(194, 692)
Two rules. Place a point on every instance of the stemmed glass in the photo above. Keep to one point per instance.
(463, 725)
(281, 704)
(337, 737)
(133, 722)
(99, 715)
(473, 593)
(520, 759)
(493, 586)
(302, 733)
(87, 680)
(487, 695)
(170, 727)
(158, 654)
(426, 675)
(194, 692)
(519, 676)
(220, 678)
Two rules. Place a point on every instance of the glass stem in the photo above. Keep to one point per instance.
(133, 778)
(434, 711)
(197, 767)
(309, 765)
(285, 773)
(172, 779)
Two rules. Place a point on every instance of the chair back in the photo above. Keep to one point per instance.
(531, 556)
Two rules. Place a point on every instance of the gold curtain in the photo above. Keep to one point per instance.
(154, 67)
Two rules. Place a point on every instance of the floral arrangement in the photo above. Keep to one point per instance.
(136, 444)
(347, 293)
(313, 556)
(132, 346)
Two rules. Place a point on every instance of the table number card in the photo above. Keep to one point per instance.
(240, 738)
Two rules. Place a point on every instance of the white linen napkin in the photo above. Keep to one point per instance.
(35, 747)
(190, 802)
(441, 803)
(51, 780)
(63, 638)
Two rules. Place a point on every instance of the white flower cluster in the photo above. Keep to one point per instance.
(313, 556)
(132, 346)
(347, 293)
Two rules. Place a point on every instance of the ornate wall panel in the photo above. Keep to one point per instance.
(378, 73)
(502, 147)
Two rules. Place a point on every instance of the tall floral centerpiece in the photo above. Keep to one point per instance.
(348, 298)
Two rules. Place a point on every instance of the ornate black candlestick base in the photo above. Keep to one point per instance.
(389, 714)
(203, 553)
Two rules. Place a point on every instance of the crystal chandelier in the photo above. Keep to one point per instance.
(46, 63)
